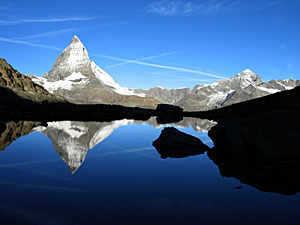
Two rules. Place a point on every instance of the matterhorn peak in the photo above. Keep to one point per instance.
(74, 70)
(74, 58)
(77, 49)
(75, 39)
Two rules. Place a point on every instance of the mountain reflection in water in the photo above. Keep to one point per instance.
(73, 139)
(125, 181)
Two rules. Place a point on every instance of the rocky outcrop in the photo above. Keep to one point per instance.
(23, 86)
(168, 113)
(166, 96)
(176, 144)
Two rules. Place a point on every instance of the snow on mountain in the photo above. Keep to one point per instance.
(73, 69)
(77, 55)
(269, 90)
(107, 80)
(65, 83)
(247, 77)
(218, 97)
(244, 86)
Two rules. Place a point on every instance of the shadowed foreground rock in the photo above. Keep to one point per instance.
(168, 113)
(259, 142)
(262, 150)
(176, 144)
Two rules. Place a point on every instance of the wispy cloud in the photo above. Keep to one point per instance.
(3, 7)
(211, 7)
(282, 47)
(162, 66)
(144, 58)
(29, 44)
(46, 34)
(50, 20)
(169, 8)
(69, 30)
(207, 70)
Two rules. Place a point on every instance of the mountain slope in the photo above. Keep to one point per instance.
(167, 96)
(80, 80)
(22, 86)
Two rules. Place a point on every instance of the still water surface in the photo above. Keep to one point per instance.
(51, 177)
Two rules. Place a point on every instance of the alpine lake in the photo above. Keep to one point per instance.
(106, 173)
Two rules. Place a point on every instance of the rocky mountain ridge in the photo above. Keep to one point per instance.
(242, 87)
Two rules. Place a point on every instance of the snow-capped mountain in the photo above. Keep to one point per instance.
(244, 86)
(80, 80)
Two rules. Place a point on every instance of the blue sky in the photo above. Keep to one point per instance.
(168, 43)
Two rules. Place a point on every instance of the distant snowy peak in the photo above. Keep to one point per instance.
(247, 74)
(247, 71)
(247, 77)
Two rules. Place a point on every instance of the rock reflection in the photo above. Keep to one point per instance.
(10, 131)
(200, 125)
(176, 144)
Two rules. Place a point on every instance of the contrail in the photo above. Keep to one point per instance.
(144, 58)
(30, 44)
(161, 66)
(120, 59)
(12, 22)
